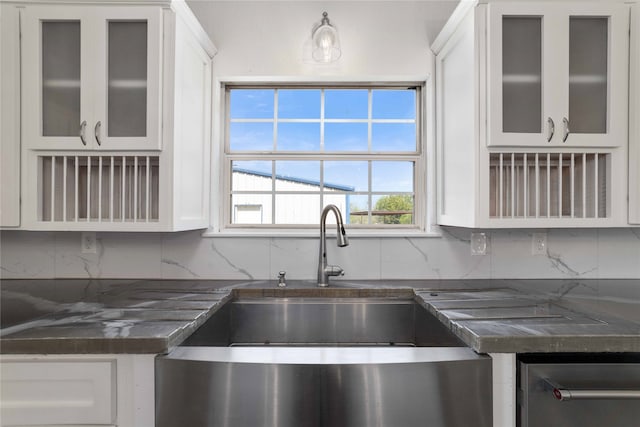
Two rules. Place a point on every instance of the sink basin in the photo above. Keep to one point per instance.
(326, 362)
(323, 322)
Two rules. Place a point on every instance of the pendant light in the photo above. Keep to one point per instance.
(326, 44)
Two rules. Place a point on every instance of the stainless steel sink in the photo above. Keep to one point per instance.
(323, 362)
(323, 322)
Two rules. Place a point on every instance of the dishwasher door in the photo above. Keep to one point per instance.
(579, 394)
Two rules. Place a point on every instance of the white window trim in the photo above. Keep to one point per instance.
(425, 179)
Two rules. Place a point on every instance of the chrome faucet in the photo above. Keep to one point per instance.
(324, 270)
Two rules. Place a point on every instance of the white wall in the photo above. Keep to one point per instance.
(271, 38)
(572, 254)
(266, 39)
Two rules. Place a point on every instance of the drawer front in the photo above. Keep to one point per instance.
(58, 392)
(581, 395)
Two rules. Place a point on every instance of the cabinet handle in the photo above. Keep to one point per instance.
(551, 129)
(564, 394)
(566, 129)
(97, 132)
(83, 127)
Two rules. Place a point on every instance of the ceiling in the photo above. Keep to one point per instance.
(429, 15)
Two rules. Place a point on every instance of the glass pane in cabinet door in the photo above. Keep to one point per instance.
(127, 92)
(60, 78)
(521, 74)
(588, 74)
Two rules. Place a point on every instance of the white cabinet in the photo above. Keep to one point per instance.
(116, 117)
(59, 390)
(9, 117)
(557, 74)
(532, 107)
(91, 77)
(634, 118)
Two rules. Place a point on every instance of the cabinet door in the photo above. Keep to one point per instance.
(92, 77)
(522, 91)
(595, 85)
(557, 74)
(57, 100)
(127, 61)
(58, 392)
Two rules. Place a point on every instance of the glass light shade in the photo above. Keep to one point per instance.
(326, 44)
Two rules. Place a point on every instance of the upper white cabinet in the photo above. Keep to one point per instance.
(532, 106)
(92, 77)
(634, 115)
(115, 115)
(557, 74)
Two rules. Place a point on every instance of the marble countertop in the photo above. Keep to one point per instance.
(153, 316)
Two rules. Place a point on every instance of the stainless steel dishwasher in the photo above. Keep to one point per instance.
(580, 391)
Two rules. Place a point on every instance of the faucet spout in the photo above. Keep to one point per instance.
(324, 270)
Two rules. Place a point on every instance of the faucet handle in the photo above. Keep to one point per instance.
(281, 281)
(334, 270)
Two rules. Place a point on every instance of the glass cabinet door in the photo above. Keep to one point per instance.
(522, 74)
(588, 74)
(60, 78)
(56, 103)
(127, 79)
(520, 87)
(558, 74)
(595, 110)
(91, 77)
(129, 74)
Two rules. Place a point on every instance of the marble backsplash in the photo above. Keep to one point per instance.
(572, 253)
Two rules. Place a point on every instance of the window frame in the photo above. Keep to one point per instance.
(423, 158)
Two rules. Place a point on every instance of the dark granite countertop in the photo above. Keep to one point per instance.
(153, 316)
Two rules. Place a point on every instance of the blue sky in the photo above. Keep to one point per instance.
(339, 104)
(397, 132)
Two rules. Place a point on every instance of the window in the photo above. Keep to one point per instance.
(291, 150)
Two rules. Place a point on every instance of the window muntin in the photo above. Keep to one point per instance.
(292, 150)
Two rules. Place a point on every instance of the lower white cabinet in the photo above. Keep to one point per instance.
(58, 392)
(62, 390)
(634, 118)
